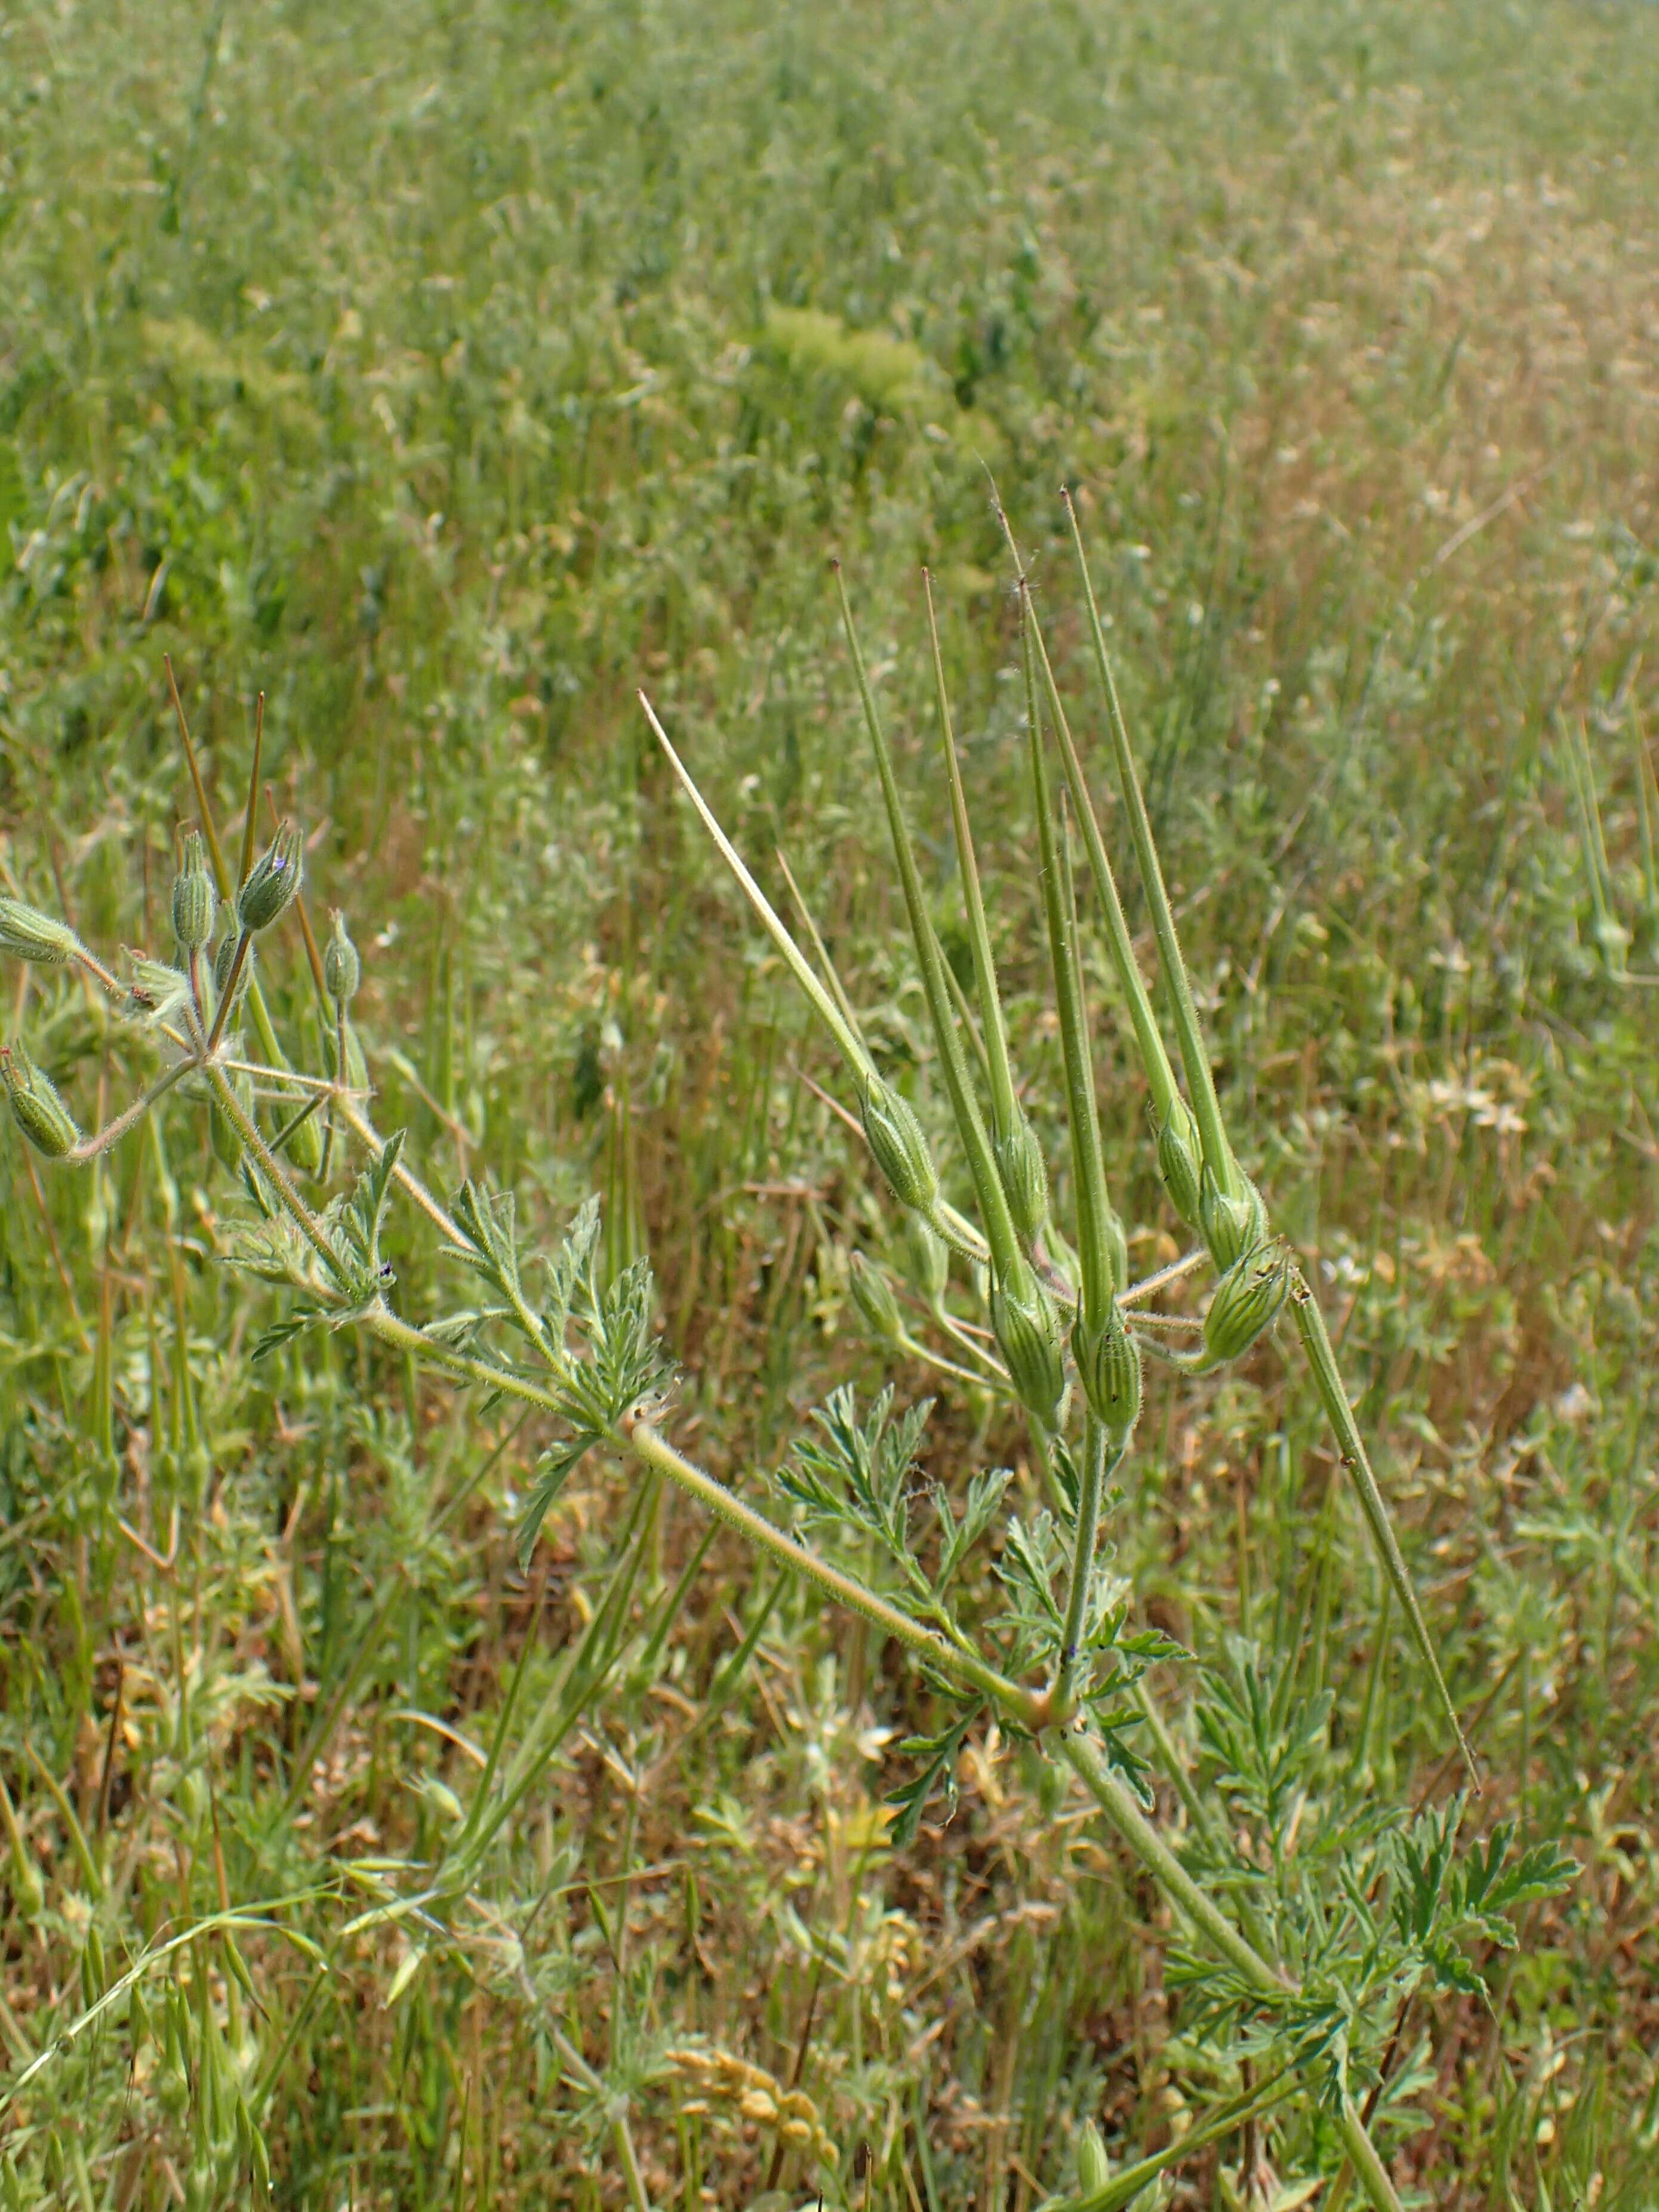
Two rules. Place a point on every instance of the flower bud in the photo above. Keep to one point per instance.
(900, 1150)
(38, 1111)
(1028, 1336)
(274, 884)
(872, 1294)
(1231, 1226)
(28, 934)
(1094, 2168)
(193, 903)
(1247, 1301)
(1109, 1365)
(927, 1258)
(1177, 1161)
(1025, 1178)
(341, 969)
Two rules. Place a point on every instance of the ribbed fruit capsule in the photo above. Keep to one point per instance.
(872, 1295)
(1231, 1226)
(274, 883)
(1177, 1160)
(899, 1148)
(1109, 1366)
(28, 934)
(193, 902)
(38, 1111)
(1247, 1301)
(341, 969)
(1028, 1336)
(1025, 1178)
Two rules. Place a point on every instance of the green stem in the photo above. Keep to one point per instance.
(290, 1200)
(1200, 1082)
(655, 1451)
(1117, 1802)
(1322, 1358)
(1091, 1484)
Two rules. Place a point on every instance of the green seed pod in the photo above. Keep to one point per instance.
(28, 934)
(927, 1258)
(274, 884)
(226, 954)
(872, 1294)
(1247, 1301)
(341, 969)
(1177, 1161)
(1109, 1365)
(1027, 1335)
(1094, 2168)
(29, 1892)
(1025, 1178)
(193, 903)
(900, 1150)
(1231, 1226)
(38, 1111)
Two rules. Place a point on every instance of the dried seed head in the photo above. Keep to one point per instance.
(38, 1111)
(872, 1294)
(926, 1256)
(1109, 1365)
(274, 883)
(1094, 2168)
(341, 969)
(1028, 1336)
(28, 934)
(900, 1150)
(1231, 1226)
(1247, 1301)
(1025, 1178)
(193, 903)
(1177, 1160)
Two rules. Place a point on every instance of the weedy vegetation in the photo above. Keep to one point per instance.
(828, 1387)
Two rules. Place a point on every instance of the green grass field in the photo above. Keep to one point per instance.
(447, 373)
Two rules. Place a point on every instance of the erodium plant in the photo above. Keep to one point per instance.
(1298, 1959)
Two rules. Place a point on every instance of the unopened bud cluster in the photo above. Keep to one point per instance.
(36, 1108)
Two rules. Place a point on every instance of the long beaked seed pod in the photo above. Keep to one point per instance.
(36, 1108)
(28, 934)
(343, 971)
(898, 1146)
(1109, 1366)
(1027, 1330)
(1177, 1161)
(927, 1257)
(1247, 1300)
(274, 883)
(193, 902)
(1231, 1226)
(1025, 1177)
(872, 1295)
